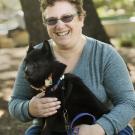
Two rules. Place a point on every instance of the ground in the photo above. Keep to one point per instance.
(9, 61)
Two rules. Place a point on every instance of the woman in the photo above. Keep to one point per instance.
(99, 66)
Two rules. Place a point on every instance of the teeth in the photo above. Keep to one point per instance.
(62, 33)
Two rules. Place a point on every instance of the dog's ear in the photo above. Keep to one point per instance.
(31, 47)
(58, 70)
(46, 48)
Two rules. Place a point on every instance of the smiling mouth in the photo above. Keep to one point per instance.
(65, 33)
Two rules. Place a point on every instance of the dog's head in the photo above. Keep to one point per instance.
(40, 64)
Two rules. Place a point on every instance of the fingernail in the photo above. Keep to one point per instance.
(58, 102)
(55, 99)
(58, 106)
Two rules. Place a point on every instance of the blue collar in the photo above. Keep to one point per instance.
(57, 84)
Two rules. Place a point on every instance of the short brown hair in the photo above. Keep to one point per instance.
(77, 3)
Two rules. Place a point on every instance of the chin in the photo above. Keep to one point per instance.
(64, 43)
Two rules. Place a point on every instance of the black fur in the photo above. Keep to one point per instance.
(75, 96)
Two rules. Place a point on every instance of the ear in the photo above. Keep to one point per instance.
(30, 48)
(47, 49)
(82, 18)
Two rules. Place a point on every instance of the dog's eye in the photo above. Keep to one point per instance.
(27, 73)
(26, 70)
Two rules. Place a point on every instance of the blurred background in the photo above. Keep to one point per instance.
(111, 21)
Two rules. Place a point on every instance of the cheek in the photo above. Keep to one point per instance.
(77, 28)
(78, 25)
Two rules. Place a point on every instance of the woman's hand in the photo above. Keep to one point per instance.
(95, 129)
(40, 106)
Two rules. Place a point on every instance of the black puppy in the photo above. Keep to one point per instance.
(44, 72)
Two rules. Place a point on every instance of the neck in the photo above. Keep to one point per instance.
(73, 50)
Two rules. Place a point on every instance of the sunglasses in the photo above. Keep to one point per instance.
(53, 20)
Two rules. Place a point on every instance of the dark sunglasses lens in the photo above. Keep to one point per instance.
(67, 18)
(51, 21)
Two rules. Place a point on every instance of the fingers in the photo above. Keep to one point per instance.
(40, 106)
(50, 111)
(40, 95)
(48, 100)
(51, 105)
(50, 108)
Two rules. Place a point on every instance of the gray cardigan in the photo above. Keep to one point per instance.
(103, 70)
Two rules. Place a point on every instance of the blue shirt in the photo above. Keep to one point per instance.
(104, 71)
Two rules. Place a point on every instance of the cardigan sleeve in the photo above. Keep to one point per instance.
(120, 90)
(22, 93)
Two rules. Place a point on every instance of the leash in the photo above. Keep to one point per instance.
(69, 127)
(71, 130)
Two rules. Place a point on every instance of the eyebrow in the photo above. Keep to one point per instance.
(60, 16)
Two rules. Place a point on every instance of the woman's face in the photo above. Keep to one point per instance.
(64, 34)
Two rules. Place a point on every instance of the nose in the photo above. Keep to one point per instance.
(60, 23)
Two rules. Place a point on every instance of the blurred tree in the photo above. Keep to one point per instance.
(115, 7)
(37, 33)
(33, 20)
(93, 26)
